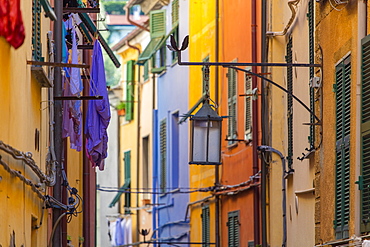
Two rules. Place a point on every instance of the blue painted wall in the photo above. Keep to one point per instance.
(172, 102)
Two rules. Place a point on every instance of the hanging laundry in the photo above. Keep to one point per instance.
(112, 231)
(11, 23)
(120, 234)
(98, 113)
(72, 116)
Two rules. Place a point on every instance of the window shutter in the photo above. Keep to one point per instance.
(157, 23)
(233, 229)
(343, 104)
(146, 70)
(365, 135)
(130, 90)
(205, 60)
(232, 105)
(248, 107)
(36, 31)
(289, 59)
(175, 12)
(127, 162)
(311, 42)
(205, 226)
(163, 153)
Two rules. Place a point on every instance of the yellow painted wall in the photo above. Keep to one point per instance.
(336, 33)
(201, 44)
(300, 207)
(128, 137)
(21, 114)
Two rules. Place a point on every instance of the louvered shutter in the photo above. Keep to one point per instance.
(365, 136)
(175, 12)
(289, 59)
(205, 226)
(231, 76)
(157, 23)
(127, 162)
(311, 23)
(130, 90)
(163, 153)
(233, 229)
(343, 104)
(36, 31)
(248, 107)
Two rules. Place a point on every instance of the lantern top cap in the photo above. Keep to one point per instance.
(206, 113)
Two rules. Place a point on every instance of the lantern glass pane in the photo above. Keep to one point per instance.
(200, 141)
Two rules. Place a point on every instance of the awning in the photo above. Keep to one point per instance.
(94, 32)
(49, 12)
(121, 191)
(149, 50)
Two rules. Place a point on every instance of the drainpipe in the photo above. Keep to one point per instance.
(265, 124)
(255, 127)
(57, 190)
(217, 171)
(284, 173)
(127, 9)
(361, 33)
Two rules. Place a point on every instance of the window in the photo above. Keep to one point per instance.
(206, 226)
(146, 169)
(36, 31)
(159, 60)
(365, 137)
(233, 229)
(127, 164)
(248, 106)
(130, 90)
(232, 131)
(163, 154)
(343, 114)
(175, 147)
(289, 59)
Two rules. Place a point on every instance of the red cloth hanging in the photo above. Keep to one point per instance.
(11, 23)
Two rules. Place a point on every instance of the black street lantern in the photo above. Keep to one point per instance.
(205, 136)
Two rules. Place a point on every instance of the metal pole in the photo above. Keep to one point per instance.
(57, 191)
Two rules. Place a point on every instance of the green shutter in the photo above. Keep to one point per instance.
(36, 31)
(175, 12)
(311, 23)
(163, 154)
(232, 105)
(157, 20)
(365, 135)
(127, 183)
(205, 60)
(233, 229)
(130, 90)
(343, 104)
(146, 71)
(127, 162)
(157, 23)
(206, 226)
(289, 59)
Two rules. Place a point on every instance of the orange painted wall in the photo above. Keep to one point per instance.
(237, 167)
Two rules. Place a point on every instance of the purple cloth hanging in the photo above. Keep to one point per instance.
(98, 113)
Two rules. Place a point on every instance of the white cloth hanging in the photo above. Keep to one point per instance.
(366, 243)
